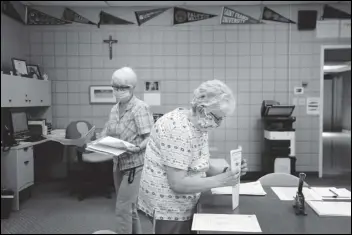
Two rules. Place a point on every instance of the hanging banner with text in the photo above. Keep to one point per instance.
(107, 19)
(144, 16)
(230, 16)
(333, 13)
(9, 10)
(70, 15)
(182, 16)
(271, 15)
(35, 17)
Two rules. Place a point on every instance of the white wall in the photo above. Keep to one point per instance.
(257, 61)
(14, 41)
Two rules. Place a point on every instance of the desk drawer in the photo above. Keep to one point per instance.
(25, 168)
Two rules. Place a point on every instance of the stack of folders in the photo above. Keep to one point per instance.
(108, 145)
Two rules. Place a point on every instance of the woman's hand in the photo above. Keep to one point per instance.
(133, 149)
(229, 178)
(244, 167)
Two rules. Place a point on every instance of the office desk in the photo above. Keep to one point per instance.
(17, 167)
(275, 216)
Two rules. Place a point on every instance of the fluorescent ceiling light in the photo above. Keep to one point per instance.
(335, 68)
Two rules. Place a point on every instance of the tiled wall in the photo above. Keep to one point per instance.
(257, 61)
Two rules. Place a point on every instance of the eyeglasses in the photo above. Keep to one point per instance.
(120, 88)
(216, 118)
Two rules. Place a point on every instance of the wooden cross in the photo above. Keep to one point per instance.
(110, 41)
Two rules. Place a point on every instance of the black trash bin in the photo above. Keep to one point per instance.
(7, 197)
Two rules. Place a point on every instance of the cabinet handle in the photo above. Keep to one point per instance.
(9, 100)
(26, 100)
(41, 100)
(25, 149)
(29, 100)
(26, 162)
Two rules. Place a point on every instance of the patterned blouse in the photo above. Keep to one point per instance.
(174, 142)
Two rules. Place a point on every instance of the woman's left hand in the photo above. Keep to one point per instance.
(244, 167)
(133, 149)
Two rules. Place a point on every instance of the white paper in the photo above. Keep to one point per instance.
(252, 188)
(342, 192)
(152, 99)
(289, 193)
(236, 157)
(226, 223)
(313, 106)
(112, 142)
(77, 142)
(331, 208)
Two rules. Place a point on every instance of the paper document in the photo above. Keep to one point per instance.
(252, 188)
(236, 157)
(108, 145)
(77, 142)
(289, 193)
(332, 193)
(331, 208)
(226, 223)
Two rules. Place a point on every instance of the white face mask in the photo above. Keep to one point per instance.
(122, 96)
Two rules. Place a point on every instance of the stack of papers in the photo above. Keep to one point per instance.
(252, 188)
(289, 193)
(108, 145)
(59, 136)
(331, 208)
(332, 193)
(226, 223)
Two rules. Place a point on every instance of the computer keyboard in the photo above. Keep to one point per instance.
(34, 138)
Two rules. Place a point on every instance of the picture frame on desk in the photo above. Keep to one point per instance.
(101, 95)
(19, 67)
(34, 71)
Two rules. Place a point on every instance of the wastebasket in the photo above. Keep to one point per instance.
(7, 197)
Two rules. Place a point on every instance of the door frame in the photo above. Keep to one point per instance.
(321, 115)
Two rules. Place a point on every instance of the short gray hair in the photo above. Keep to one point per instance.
(124, 76)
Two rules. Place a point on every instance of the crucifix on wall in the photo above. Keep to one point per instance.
(110, 41)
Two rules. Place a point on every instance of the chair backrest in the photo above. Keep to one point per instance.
(280, 180)
(104, 232)
(75, 130)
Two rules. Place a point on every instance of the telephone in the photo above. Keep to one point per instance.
(7, 140)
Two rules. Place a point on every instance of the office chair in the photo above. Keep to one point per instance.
(89, 173)
(280, 180)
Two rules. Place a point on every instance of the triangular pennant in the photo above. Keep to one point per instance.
(333, 13)
(35, 17)
(144, 16)
(9, 10)
(70, 15)
(182, 16)
(106, 18)
(271, 15)
(230, 16)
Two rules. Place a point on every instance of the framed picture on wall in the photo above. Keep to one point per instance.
(19, 67)
(152, 86)
(101, 95)
(34, 71)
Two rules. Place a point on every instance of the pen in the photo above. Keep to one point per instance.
(335, 194)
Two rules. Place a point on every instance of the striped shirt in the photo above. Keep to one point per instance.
(135, 122)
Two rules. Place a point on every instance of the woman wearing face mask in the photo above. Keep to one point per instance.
(176, 166)
(130, 120)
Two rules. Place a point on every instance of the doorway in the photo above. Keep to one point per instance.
(335, 119)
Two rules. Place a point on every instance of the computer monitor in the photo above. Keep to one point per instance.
(19, 123)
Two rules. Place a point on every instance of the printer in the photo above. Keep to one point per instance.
(279, 138)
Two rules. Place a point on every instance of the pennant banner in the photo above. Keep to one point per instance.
(35, 17)
(271, 15)
(144, 16)
(230, 16)
(333, 13)
(9, 10)
(70, 15)
(107, 19)
(182, 16)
